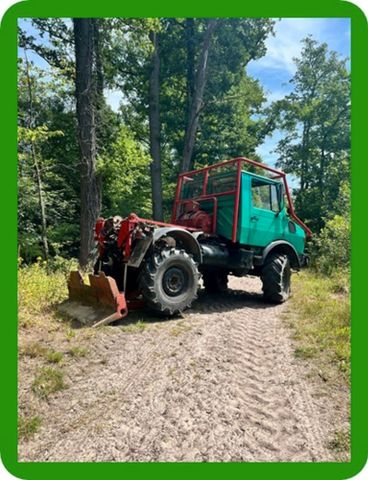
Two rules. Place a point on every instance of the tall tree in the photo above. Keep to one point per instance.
(155, 127)
(35, 161)
(90, 196)
(197, 97)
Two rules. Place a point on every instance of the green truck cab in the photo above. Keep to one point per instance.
(248, 222)
(263, 216)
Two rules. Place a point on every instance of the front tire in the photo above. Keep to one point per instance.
(276, 278)
(169, 281)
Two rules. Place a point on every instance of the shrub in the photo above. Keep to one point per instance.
(39, 289)
(332, 247)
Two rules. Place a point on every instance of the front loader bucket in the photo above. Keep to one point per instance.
(96, 304)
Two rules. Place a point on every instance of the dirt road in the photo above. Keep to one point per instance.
(220, 384)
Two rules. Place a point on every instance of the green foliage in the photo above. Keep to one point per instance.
(332, 246)
(228, 125)
(125, 177)
(47, 138)
(36, 292)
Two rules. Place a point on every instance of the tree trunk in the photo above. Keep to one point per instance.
(41, 201)
(36, 166)
(98, 59)
(89, 188)
(196, 103)
(190, 48)
(154, 126)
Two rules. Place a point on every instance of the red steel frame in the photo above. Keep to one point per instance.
(239, 161)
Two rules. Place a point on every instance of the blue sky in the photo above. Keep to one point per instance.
(276, 68)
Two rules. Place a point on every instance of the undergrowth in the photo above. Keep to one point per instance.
(319, 313)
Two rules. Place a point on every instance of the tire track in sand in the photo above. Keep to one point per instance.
(278, 410)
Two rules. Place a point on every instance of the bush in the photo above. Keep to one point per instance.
(42, 284)
(332, 247)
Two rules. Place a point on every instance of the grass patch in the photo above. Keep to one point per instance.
(33, 350)
(179, 329)
(136, 327)
(321, 325)
(340, 441)
(28, 426)
(70, 334)
(78, 351)
(37, 350)
(47, 381)
(54, 357)
(305, 352)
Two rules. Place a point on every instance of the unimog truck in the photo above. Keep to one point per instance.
(227, 219)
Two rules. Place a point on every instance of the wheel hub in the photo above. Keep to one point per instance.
(173, 281)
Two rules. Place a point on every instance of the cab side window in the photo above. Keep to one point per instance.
(265, 195)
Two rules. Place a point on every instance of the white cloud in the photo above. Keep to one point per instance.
(285, 45)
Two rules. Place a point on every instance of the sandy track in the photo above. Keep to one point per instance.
(221, 384)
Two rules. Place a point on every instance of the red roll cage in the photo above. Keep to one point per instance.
(238, 162)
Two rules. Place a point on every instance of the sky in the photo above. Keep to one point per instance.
(276, 68)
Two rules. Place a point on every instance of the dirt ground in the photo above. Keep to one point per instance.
(219, 384)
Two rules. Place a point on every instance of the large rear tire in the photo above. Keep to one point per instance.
(215, 281)
(276, 278)
(169, 281)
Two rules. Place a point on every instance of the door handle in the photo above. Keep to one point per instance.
(254, 218)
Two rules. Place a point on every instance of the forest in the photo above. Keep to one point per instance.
(187, 102)
(236, 377)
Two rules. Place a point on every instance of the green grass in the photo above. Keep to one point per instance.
(78, 351)
(340, 442)
(54, 357)
(319, 314)
(33, 350)
(37, 350)
(136, 327)
(47, 381)
(28, 426)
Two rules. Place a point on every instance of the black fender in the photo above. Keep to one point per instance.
(282, 246)
(189, 242)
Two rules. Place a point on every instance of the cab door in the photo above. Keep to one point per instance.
(265, 221)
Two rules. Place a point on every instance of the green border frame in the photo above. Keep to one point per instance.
(8, 323)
